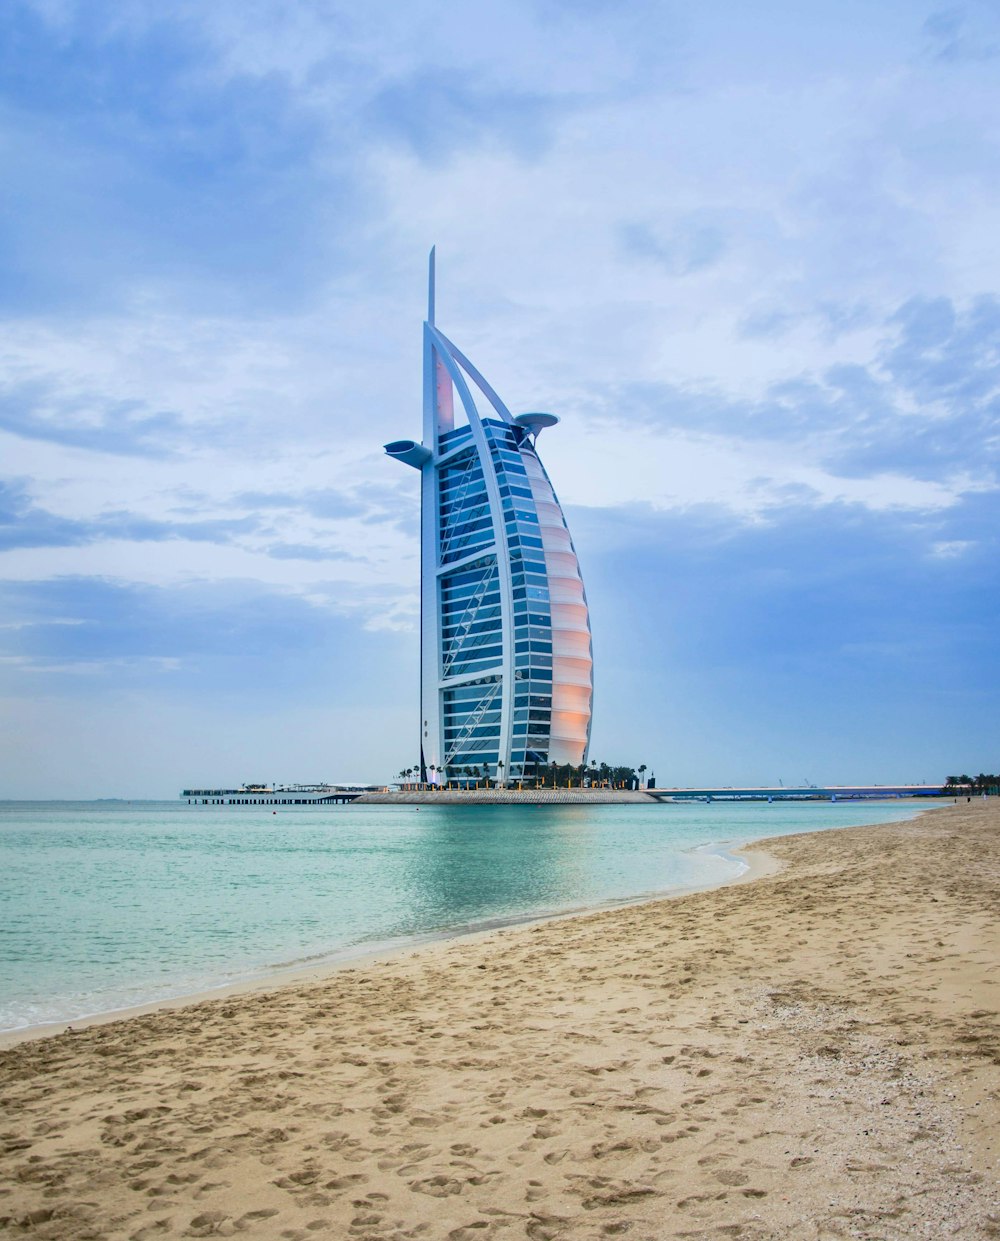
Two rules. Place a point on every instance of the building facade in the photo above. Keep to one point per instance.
(506, 658)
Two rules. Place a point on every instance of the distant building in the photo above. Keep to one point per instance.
(506, 659)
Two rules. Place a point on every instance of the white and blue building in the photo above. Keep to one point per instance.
(506, 656)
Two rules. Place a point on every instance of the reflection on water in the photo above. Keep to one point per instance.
(493, 862)
(104, 905)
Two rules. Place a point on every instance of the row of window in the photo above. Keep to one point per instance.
(472, 646)
(490, 625)
(460, 461)
(486, 606)
(480, 543)
(537, 648)
(462, 518)
(484, 594)
(520, 514)
(458, 596)
(484, 735)
(471, 572)
(464, 502)
(468, 665)
(483, 732)
(487, 723)
(454, 434)
(473, 758)
(523, 762)
(536, 593)
(457, 488)
(475, 689)
(523, 715)
(477, 521)
(522, 617)
(461, 710)
(457, 526)
(464, 701)
(527, 623)
(460, 477)
(466, 643)
(470, 657)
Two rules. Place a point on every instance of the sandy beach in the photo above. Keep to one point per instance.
(813, 1054)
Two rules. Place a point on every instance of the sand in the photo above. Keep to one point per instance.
(815, 1054)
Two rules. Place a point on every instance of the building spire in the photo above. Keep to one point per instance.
(430, 288)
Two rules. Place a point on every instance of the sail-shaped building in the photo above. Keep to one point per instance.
(506, 658)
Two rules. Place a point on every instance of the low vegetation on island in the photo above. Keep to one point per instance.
(981, 784)
(546, 776)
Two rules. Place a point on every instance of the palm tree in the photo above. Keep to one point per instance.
(500, 772)
(642, 771)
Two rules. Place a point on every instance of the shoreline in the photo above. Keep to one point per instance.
(329, 962)
(815, 1054)
(758, 863)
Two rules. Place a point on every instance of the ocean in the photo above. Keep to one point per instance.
(106, 905)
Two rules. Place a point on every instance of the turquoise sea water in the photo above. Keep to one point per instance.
(104, 905)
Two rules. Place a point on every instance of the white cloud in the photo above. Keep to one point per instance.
(605, 466)
(951, 549)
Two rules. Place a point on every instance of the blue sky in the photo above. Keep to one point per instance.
(747, 253)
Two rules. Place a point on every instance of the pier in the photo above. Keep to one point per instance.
(281, 795)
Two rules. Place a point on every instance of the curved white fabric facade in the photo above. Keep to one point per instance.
(572, 654)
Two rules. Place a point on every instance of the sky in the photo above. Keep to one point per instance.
(747, 253)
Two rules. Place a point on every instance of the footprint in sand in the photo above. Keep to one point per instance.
(729, 1176)
(207, 1223)
(346, 1182)
(478, 1230)
(437, 1186)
